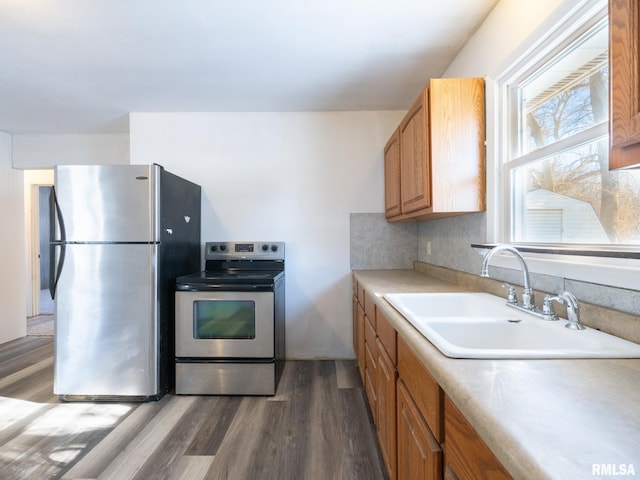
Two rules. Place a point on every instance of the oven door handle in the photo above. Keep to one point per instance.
(211, 287)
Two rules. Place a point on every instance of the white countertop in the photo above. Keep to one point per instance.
(559, 419)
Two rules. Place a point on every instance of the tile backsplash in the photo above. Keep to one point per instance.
(446, 242)
(378, 244)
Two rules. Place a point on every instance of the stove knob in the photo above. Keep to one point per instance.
(274, 248)
(223, 247)
(265, 248)
(214, 248)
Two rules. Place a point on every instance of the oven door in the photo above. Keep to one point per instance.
(222, 324)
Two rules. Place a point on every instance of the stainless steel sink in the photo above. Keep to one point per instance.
(480, 325)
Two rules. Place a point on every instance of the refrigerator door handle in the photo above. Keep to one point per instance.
(54, 272)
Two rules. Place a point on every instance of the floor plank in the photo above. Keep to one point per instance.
(317, 426)
(98, 459)
(148, 441)
(220, 412)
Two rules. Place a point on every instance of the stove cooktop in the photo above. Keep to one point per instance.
(237, 263)
(258, 277)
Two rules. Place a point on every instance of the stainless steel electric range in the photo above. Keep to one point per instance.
(230, 321)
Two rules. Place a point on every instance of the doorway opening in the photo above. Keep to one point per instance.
(46, 302)
(40, 308)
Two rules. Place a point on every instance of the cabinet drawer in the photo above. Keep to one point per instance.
(387, 335)
(465, 453)
(424, 390)
(359, 292)
(370, 308)
(355, 285)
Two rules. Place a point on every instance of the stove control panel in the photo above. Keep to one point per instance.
(244, 251)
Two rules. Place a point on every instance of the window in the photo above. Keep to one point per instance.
(557, 186)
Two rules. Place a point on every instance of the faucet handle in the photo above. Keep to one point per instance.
(512, 299)
(547, 308)
(573, 312)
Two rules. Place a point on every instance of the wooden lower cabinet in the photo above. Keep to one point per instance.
(370, 366)
(424, 389)
(419, 454)
(386, 409)
(466, 455)
(359, 340)
(355, 325)
(421, 433)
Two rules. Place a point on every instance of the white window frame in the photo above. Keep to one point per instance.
(618, 272)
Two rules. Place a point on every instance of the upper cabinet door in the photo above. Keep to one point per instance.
(415, 168)
(392, 176)
(457, 135)
(624, 104)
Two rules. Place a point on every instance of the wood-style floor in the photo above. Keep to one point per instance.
(317, 426)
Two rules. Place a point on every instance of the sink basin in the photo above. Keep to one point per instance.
(463, 304)
(480, 325)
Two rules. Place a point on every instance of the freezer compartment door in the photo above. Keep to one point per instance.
(106, 321)
(107, 203)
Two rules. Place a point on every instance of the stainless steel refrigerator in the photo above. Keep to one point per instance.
(120, 235)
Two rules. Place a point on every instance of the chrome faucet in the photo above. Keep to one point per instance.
(528, 300)
(573, 309)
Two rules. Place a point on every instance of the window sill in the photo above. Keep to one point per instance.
(615, 267)
(607, 251)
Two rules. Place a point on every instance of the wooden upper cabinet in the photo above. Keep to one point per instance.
(392, 175)
(624, 101)
(415, 192)
(442, 152)
(458, 173)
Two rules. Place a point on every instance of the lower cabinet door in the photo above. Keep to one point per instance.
(360, 351)
(467, 457)
(419, 454)
(386, 405)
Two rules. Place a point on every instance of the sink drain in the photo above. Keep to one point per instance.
(514, 320)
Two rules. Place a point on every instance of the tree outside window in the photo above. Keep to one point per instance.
(563, 191)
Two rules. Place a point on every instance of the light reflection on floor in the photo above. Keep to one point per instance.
(77, 421)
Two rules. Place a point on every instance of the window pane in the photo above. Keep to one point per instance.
(568, 96)
(572, 197)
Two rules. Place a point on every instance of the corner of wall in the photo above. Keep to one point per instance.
(12, 246)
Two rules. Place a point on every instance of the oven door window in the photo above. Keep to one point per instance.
(224, 319)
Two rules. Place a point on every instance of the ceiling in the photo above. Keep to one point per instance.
(80, 66)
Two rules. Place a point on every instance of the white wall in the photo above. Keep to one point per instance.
(498, 40)
(45, 151)
(292, 177)
(12, 247)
